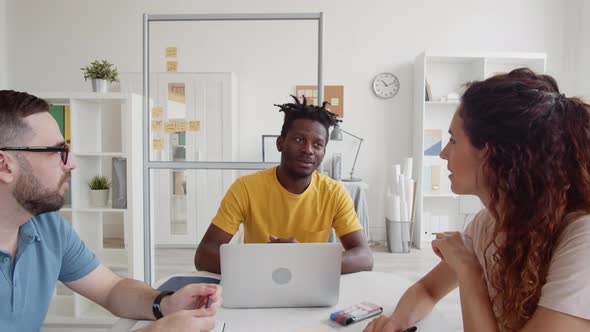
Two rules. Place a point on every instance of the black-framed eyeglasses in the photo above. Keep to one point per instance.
(64, 150)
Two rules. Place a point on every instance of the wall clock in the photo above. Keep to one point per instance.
(385, 85)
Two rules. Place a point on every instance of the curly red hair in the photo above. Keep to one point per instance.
(537, 166)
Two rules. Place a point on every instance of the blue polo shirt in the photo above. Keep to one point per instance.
(48, 250)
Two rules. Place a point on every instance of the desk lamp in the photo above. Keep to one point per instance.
(336, 135)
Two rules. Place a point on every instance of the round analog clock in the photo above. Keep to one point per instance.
(385, 85)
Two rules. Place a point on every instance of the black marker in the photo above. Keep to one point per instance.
(411, 329)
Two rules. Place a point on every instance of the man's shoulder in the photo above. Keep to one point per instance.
(49, 224)
(256, 178)
(48, 219)
(325, 183)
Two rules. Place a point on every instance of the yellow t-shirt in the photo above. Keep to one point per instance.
(261, 203)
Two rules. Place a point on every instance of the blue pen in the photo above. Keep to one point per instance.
(411, 329)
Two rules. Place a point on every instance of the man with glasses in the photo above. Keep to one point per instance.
(38, 247)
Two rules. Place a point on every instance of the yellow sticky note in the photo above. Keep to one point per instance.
(158, 144)
(171, 52)
(171, 66)
(156, 125)
(194, 125)
(157, 113)
(180, 126)
(334, 101)
(170, 127)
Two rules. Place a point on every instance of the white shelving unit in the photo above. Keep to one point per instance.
(103, 126)
(437, 208)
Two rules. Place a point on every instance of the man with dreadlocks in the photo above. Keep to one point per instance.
(292, 202)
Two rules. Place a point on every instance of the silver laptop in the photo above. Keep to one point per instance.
(280, 275)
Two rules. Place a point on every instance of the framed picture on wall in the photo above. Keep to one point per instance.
(270, 154)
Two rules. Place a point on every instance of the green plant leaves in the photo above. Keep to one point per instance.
(101, 70)
(99, 182)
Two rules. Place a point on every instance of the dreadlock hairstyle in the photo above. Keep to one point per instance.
(538, 170)
(300, 110)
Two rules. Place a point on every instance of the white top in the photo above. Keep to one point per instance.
(567, 289)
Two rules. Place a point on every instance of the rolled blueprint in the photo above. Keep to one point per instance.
(407, 168)
(396, 171)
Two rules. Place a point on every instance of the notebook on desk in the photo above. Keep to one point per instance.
(280, 275)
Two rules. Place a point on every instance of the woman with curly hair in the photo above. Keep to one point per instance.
(523, 263)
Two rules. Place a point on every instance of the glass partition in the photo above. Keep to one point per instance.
(211, 82)
(217, 99)
(182, 213)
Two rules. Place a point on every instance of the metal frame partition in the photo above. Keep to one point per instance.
(152, 165)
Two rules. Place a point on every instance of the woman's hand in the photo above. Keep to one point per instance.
(382, 324)
(456, 249)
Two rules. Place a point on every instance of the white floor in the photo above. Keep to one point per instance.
(411, 266)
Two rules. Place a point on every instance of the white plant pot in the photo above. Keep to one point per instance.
(100, 85)
(99, 198)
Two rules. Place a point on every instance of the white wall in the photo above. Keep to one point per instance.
(3, 45)
(50, 40)
(582, 82)
(577, 40)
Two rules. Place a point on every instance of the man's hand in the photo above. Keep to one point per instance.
(193, 296)
(184, 320)
(274, 239)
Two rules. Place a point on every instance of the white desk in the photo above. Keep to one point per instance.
(380, 288)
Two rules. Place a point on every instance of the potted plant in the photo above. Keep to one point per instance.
(99, 190)
(101, 73)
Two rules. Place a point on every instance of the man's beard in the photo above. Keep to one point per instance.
(288, 165)
(295, 174)
(33, 196)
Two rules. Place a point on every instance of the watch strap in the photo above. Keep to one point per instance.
(156, 304)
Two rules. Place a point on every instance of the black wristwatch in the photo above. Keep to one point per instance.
(156, 305)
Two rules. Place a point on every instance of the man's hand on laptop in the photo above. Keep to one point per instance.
(274, 239)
